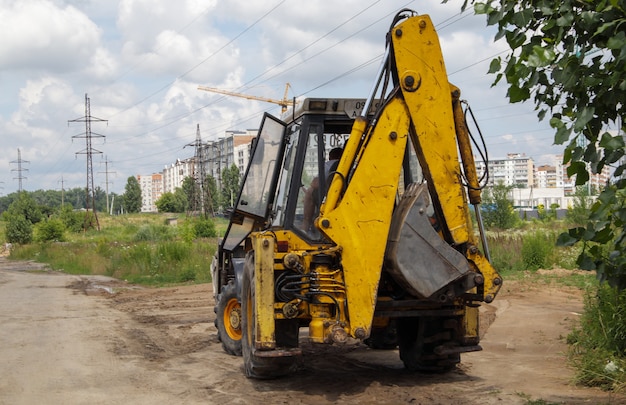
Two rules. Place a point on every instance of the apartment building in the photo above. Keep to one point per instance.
(516, 169)
(175, 173)
(596, 182)
(233, 148)
(151, 190)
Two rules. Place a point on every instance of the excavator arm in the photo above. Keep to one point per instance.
(421, 111)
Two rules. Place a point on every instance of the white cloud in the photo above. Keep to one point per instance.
(37, 34)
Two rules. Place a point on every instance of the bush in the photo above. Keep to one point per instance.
(18, 229)
(505, 251)
(537, 248)
(598, 346)
(73, 220)
(153, 233)
(497, 209)
(26, 207)
(205, 228)
(52, 230)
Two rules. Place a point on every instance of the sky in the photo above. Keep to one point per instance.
(141, 61)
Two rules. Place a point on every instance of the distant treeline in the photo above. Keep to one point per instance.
(50, 200)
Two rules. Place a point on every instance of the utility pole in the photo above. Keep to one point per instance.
(89, 151)
(200, 176)
(19, 169)
(106, 182)
(62, 191)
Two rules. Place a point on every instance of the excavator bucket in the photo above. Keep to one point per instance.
(417, 258)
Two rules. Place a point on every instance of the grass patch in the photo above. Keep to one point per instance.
(137, 248)
(598, 345)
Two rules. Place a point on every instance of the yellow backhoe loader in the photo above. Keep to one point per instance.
(377, 246)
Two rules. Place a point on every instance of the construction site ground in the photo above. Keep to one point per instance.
(96, 340)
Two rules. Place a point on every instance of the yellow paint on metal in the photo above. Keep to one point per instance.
(360, 221)
(493, 281)
(427, 95)
(263, 245)
(470, 323)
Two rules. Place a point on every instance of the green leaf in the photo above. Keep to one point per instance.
(585, 262)
(542, 114)
(515, 39)
(579, 170)
(541, 56)
(481, 8)
(494, 66)
(565, 239)
(611, 142)
(494, 16)
(562, 134)
(517, 94)
(583, 117)
(605, 26)
(616, 42)
(522, 18)
(565, 20)
(501, 33)
(556, 122)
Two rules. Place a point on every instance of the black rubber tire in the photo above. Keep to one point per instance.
(256, 366)
(228, 319)
(383, 338)
(417, 340)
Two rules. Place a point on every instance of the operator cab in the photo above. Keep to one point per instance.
(288, 174)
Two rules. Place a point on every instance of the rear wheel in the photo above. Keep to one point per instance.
(383, 338)
(417, 340)
(228, 321)
(255, 364)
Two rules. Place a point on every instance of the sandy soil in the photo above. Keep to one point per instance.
(70, 339)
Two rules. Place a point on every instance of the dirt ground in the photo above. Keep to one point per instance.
(73, 339)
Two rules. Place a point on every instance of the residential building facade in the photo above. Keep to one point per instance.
(516, 170)
(175, 173)
(233, 148)
(151, 190)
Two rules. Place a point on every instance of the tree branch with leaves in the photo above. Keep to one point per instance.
(569, 58)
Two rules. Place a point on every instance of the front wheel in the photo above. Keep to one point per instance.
(256, 366)
(228, 321)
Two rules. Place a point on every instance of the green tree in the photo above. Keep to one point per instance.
(192, 193)
(24, 205)
(18, 229)
(171, 202)
(569, 57)
(497, 208)
(181, 198)
(72, 220)
(20, 217)
(213, 195)
(230, 185)
(132, 195)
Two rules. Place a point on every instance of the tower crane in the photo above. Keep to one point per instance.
(284, 103)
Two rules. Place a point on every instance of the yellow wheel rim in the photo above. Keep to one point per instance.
(232, 319)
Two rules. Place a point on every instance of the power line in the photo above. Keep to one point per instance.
(203, 61)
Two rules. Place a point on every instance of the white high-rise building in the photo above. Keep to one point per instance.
(151, 190)
(516, 169)
(174, 174)
(233, 148)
